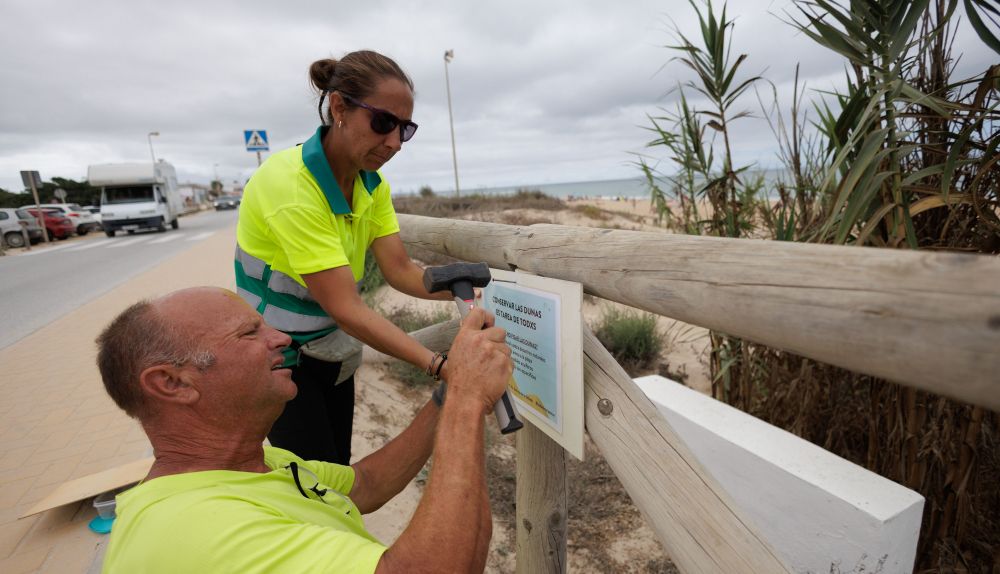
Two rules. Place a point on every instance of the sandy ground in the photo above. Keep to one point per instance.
(621, 542)
(633, 214)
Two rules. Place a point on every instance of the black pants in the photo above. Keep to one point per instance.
(317, 423)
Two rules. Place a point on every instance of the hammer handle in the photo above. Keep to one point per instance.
(507, 417)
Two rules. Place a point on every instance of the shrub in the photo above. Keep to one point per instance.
(373, 278)
(631, 336)
(531, 199)
(451, 206)
(591, 212)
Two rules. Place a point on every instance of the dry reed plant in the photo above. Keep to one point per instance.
(904, 157)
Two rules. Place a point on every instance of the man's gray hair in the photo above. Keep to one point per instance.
(135, 340)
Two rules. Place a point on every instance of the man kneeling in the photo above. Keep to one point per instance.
(199, 369)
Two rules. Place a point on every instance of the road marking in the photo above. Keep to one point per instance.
(44, 250)
(132, 241)
(91, 244)
(110, 243)
(166, 238)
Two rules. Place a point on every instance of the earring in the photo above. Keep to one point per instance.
(340, 124)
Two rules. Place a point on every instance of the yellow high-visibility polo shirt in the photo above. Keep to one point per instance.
(294, 220)
(229, 521)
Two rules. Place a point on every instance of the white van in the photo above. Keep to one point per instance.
(137, 196)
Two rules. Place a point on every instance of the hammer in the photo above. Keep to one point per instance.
(460, 278)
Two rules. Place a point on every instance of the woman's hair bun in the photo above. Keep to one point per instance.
(321, 73)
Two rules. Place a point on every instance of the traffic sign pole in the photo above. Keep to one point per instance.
(256, 140)
(41, 215)
(33, 180)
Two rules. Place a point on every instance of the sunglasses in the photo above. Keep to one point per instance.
(384, 122)
(312, 479)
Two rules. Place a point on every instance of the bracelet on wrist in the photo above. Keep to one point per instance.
(437, 373)
(430, 366)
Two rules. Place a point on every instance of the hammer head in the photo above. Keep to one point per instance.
(440, 278)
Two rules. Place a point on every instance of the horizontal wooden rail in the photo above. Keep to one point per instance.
(927, 320)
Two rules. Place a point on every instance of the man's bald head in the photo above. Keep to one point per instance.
(164, 331)
(197, 310)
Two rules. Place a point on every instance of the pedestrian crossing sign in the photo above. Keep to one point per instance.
(256, 140)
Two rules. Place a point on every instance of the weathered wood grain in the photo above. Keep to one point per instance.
(927, 320)
(541, 503)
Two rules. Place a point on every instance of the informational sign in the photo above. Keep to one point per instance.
(542, 318)
(256, 140)
(531, 320)
(31, 179)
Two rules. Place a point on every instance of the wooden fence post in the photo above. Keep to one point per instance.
(541, 503)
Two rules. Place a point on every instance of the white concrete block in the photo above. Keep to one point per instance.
(821, 514)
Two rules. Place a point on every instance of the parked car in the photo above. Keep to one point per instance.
(226, 202)
(12, 221)
(94, 210)
(58, 225)
(83, 220)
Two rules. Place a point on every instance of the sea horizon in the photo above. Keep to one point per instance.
(627, 188)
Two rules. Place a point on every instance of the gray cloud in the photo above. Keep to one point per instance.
(542, 91)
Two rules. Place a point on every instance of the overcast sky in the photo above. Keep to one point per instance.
(543, 91)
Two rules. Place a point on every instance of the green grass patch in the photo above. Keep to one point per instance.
(632, 337)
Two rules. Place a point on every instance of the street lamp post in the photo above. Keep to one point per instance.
(216, 182)
(448, 55)
(149, 137)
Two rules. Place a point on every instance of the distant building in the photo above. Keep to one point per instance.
(194, 193)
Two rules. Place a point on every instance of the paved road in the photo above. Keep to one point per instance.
(45, 283)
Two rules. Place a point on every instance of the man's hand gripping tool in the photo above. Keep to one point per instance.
(460, 278)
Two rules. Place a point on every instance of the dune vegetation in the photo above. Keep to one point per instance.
(904, 156)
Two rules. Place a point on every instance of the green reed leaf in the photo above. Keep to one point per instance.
(985, 34)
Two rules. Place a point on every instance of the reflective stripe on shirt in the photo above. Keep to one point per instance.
(284, 303)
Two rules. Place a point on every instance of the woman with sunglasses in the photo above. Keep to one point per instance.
(307, 217)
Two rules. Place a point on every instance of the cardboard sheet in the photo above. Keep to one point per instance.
(93, 484)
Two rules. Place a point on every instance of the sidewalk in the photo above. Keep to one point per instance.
(57, 423)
